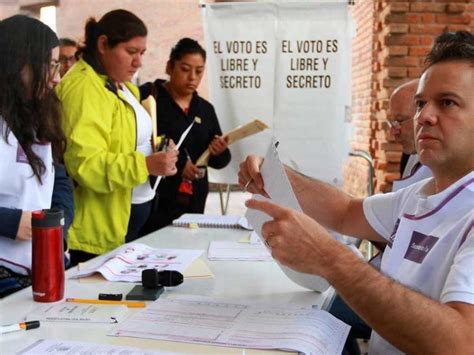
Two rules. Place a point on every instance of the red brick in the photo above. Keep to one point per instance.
(455, 8)
(453, 19)
(397, 72)
(427, 7)
(397, 28)
(427, 18)
(392, 82)
(418, 51)
(454, 28)
(395, 18)
(412, 18)
(402, 40)
(401, 61)
(397, 50)
(427, 29)
(399, 7)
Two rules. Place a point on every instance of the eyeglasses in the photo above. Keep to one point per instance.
(397, 124)
(54, 68)
(71, 59)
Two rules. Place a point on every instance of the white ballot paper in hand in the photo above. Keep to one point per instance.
(178, 145)
(279, 189)
(228, 323)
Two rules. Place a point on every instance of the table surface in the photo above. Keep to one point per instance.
(238, 280)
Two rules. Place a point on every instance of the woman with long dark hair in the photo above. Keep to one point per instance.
(109, 154)
(31, 142)
(178, 104)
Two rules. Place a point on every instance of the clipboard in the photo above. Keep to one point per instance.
(234, 135)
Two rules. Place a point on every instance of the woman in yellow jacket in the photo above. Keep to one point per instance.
(109, 153)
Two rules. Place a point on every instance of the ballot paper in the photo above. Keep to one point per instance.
(127, 262)
(62, 347)
(279, 189)
(230, 323)
(228, 250)
(178, 145)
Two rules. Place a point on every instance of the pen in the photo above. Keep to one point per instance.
(129, 304)
(20, 326)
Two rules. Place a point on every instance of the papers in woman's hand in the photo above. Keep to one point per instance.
(127, 262)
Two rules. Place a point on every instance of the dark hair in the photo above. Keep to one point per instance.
(31, 113)
(451, 46)
(186, 46)
(67, 42)
(118, 25)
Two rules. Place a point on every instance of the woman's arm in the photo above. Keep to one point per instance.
(63, 196)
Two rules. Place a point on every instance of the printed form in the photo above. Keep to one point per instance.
(224, 323)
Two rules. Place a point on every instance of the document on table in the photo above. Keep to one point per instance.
(52, 347)
(279, 189)
(206, 321)
(178, 145)
(127, 262)
(75, 312)
(225, 250)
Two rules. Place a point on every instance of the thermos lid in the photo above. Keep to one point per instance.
(47, 218)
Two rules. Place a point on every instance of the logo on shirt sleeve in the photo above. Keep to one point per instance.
(420, 245)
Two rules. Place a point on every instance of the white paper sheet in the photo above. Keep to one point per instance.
(178, 145)
(76, 312)
(224, 250)
(127, 262)
(52, 347)
(279, 189)
(207, 321)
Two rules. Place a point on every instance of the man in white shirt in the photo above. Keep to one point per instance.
(422, 301)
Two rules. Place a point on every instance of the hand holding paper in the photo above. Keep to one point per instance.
(235, 135)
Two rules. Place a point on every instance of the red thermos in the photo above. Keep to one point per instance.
(48, 255)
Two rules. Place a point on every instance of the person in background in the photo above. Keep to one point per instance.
(32, 143)
(67, 54)
(179, 104)
(109, 154)
(422, 301)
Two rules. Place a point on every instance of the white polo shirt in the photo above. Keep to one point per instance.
(430, 242)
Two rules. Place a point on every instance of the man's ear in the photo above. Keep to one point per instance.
(102, 44)
(169, 67)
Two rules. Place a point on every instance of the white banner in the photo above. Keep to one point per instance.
(289, 65)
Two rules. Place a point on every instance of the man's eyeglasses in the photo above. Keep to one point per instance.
(70, 59)
(395, 124)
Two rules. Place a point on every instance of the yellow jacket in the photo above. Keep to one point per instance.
(101, 158)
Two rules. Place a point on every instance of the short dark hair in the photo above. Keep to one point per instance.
(31, 112)
(451, 46)
(67, 42)
(118, 25)
(186, 46)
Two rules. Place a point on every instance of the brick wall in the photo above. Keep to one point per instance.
(356, 169)
(403, 33)
(167, 21)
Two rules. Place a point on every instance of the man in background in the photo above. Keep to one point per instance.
(67, 54)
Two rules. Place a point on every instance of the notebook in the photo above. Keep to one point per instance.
(211, 221)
